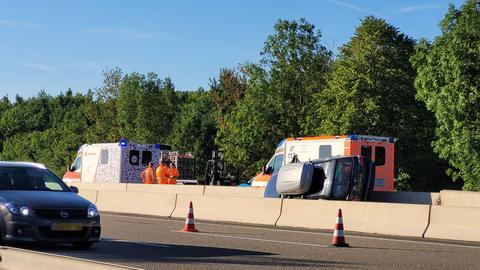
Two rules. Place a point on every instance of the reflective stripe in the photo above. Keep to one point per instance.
(338, 233)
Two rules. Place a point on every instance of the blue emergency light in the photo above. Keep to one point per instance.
(158, 146)
(123, 143)
(353, 137)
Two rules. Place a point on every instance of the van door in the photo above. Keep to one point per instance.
(90, 159)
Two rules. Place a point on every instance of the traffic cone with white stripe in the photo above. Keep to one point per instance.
(190, 221)
(338, 239)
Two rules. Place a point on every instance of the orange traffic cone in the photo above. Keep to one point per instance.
(190, 221)
(338, 239)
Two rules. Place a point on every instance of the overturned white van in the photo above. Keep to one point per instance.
(338, 178)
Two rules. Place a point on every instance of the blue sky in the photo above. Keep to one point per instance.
(56, 45)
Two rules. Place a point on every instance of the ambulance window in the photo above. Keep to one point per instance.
(379, 155)
(104, 157)
(133, 158)
(146, 157)
(77, 163)
(271, 163)
(366, 151)
(325, 151)
(278, 163)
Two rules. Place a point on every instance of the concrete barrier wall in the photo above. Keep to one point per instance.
(455, 223)
(460, 198)
(136, 202)
(381, 218)
(456, 218)
(89, 194)
(99, 186)
(233, 209)
(16, 259)
(251, 192)
(168, 189)
(406, 197)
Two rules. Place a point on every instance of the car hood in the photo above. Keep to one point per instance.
(44, 199)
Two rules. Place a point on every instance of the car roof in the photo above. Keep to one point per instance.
(21, 164)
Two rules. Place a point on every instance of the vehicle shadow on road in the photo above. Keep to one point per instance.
(140, 253)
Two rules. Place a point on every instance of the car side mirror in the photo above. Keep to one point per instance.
(74, 189)
(72, 168)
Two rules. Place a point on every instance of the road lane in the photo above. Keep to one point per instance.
(153, 243)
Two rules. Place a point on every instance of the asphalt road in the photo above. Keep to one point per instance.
(154, 243)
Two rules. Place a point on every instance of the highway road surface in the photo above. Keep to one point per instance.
(157, 243)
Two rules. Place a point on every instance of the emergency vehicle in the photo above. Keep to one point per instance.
(301, 149)
(123, 162)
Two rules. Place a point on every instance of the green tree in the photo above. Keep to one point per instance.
(102, 114)
(194, 128)
(54, 142)
(127, 105)
(448, 82)
(279, 91)
(370, 91)
(226, 92)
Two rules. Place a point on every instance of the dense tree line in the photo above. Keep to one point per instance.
(381, 83)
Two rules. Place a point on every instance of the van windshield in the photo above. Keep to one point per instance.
(28, 178)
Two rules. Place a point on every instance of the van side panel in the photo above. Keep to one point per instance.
(109, 165)
(309, 149)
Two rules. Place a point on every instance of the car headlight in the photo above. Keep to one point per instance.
(92, 211)
(19, 209)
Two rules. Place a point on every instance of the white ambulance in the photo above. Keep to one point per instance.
(379, 149)
(122, 162)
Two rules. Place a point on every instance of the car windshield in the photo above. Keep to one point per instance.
(28, 178)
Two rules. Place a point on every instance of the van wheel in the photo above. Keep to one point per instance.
(83, 245)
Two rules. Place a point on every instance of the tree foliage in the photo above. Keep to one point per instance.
(296, 89)
(448, 82)
(278, 91)
(370, 91)
(194, 128)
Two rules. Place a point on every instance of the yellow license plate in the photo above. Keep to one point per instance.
(66, 227)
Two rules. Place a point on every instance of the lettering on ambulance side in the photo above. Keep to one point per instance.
(291, 153)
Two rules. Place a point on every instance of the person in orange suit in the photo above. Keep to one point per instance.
(173, 174)
(148, 175)
(162, 173)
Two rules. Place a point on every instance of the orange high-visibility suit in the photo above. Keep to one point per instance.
(173, 175)
(162, 174)
(148, 176)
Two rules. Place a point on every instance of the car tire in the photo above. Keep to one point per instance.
(83, 245)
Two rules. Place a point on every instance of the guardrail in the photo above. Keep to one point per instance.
(420, 217)
(15, 259)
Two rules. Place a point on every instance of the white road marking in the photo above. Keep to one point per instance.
(253, 239)
(304, 232)
(134, 242)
